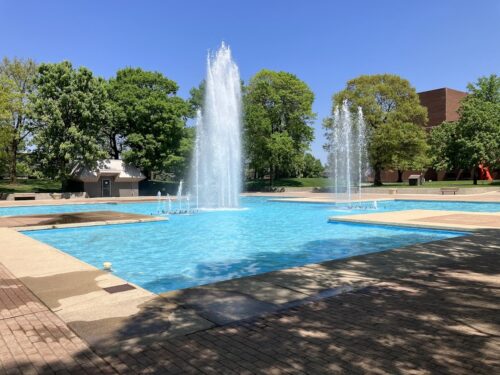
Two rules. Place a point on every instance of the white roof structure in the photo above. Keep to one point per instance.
(118, 168)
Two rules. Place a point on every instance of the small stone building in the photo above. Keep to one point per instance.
(111, 178)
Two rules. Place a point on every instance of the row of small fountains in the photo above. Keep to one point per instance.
(176, 212)
(350, 206)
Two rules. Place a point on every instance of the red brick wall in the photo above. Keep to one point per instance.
(442, 105)
(453, 98)
(435, 101)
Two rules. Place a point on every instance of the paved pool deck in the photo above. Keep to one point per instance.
(422, 309)
(311, 197)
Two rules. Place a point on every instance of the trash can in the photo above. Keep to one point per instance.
(414, 180)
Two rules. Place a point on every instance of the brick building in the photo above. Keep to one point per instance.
(442, 104)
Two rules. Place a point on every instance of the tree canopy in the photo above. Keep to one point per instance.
(69, 109)
(475, 138)
(401, 145)
(148, 121)
(16, 85)
(312, 166)
(278, 116)
(395, 120)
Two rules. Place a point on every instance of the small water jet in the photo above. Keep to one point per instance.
(179, 195)
(216, 170)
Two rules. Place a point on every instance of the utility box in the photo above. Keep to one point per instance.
(414, 180)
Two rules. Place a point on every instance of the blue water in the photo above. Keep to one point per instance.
(152, 207)
(219, 245)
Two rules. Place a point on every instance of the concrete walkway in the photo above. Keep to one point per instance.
(308, 196)
(79, 219)
(454, 220)
(424, 309)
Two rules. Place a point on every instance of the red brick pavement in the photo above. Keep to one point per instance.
(34, 340)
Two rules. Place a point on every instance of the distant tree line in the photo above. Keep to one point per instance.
(55, 115)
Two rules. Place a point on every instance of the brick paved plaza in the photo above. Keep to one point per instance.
(441, 317)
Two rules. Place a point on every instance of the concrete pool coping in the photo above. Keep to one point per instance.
(73, 220)
(310, 197)
(428, 219)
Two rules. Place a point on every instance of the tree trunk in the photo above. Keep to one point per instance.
(474, 174)
(377, 181)
(13, 162)
(114, 147)
(400, 175)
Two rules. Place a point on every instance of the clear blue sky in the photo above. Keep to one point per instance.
(433, 43)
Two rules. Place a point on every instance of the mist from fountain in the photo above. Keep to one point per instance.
(348, 152)
(217, 161)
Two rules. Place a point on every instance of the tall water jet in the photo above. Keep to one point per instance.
(217, 170)
(348, 155)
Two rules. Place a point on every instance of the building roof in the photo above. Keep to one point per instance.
(114, 168)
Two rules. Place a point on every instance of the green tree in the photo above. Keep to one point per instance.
(278, 117)
(391, 101)
(149, 119)
(196, 97)
(401, 146)
(444, 149)
(69, 109)
(312, 166)
(17, 81)
(4, 148)
(475, 138)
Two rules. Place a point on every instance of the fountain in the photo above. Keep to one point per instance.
(179, 195)
(217, 171)
(348, 154)
(169, 204)
(160, 207)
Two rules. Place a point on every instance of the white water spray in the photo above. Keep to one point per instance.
(217, 170)
(348, 152)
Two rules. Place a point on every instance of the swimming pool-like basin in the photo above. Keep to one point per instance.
(192, 250)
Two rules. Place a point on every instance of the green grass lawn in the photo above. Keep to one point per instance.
(30, 186)
(256, 185)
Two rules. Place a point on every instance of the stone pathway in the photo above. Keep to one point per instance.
(431, 310)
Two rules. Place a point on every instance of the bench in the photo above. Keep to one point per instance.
(24, 196)
(449, 190)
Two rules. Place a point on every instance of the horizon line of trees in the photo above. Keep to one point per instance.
(53, 116)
